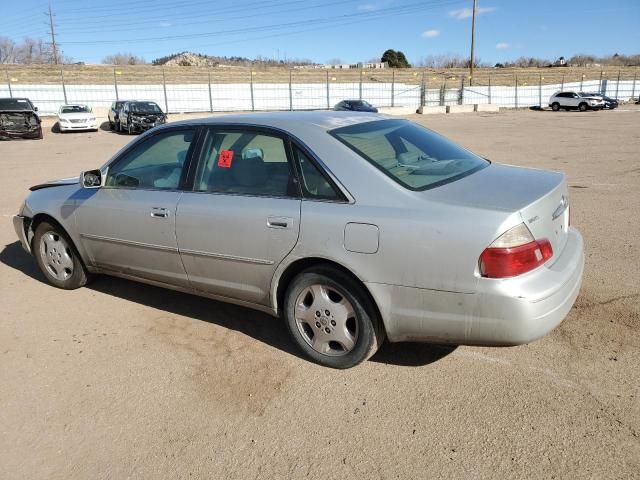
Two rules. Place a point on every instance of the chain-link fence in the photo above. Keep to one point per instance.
(226, 89)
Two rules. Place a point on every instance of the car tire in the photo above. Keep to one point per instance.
(583, 107)
(555, 106)
(118, 126)
(342, 338)
(129, 128)
(58, 258)
(111, 126)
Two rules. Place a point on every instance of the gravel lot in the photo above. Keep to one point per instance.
(122, 380)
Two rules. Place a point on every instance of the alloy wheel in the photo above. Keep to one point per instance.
(326, 320)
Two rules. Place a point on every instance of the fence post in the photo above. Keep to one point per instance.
(562, 84)
(360, 83)
(540, 92)
(489, 89)
(115, 83)
(164, 89)
(443, 91)
(210, 96)
(516, 90)
(600, 87)
(328, 101)
(290, 93)
(423, 92)
(633, 89)
(617, 84)
(253, 106)
(393, 87)
(461, 91)
(11, 93)
(64, 87)
(581, 82)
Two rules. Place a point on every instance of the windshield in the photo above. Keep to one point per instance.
(145, 107)
(584, 94)
(15, 104)
(75, 109)
(413, 156)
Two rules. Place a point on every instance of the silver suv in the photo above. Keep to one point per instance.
(575, 101)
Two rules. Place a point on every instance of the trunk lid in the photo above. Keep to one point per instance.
(540, 196)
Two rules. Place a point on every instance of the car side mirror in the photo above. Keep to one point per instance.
(91, 179)
(35, 109)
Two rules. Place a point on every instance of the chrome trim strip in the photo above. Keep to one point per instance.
(564, 203)
(128, 242)
(232, 258)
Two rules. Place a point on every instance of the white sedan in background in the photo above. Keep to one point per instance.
(76, 117)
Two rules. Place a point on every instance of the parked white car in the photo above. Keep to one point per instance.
(76, 117)
(575, 101)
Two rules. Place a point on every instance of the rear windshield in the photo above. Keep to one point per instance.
(413, 156)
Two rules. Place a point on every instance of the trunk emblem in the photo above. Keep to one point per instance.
(564, 203)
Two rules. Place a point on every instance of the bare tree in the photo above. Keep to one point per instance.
(123, 59)
(7, 50)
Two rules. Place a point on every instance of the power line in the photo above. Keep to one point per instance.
(217, 18)
(413, 7)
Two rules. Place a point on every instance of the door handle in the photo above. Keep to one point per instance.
(279, 222)
(159, 212)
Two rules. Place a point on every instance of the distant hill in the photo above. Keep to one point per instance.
(190, 59)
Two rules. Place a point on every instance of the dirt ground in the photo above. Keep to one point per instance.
(122, 380)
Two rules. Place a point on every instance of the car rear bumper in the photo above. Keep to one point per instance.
(19, 224)
(502, 312)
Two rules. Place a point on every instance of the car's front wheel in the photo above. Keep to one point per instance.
(57, 257)
(555, 106)
(583, 107)
(331, 318)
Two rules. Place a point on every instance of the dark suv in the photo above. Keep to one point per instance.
(114, 112)
(139, 116)
(18, 119)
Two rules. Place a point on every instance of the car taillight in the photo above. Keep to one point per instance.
(513, 253)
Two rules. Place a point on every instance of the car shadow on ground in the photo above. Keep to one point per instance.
(258, 325)
(105, 127)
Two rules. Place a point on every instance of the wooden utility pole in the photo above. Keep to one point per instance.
(473, 41)
(53, 36)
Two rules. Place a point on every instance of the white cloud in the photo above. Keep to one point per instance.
(164, 24)
(502, 45)
(367, 7)
(431, 33)
(463, 13)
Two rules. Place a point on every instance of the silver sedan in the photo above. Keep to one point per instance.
(354, 227)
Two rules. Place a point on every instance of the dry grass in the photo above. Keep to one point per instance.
(148, 74)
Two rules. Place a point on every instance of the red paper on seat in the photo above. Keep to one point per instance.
(225, 158)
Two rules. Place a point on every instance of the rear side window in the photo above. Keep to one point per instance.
(245, 162)
(413, 156)
(314, 184)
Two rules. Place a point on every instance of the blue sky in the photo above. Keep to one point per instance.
(325, 29)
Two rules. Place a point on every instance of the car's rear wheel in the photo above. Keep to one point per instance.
(555, 106)
(331, 318)
(57, 257)
(582, 107)
(118, 126)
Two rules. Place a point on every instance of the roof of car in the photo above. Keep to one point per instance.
(324, 120)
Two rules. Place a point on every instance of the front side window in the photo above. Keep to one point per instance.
(245, 162)
(413, 156)
(155, 163)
